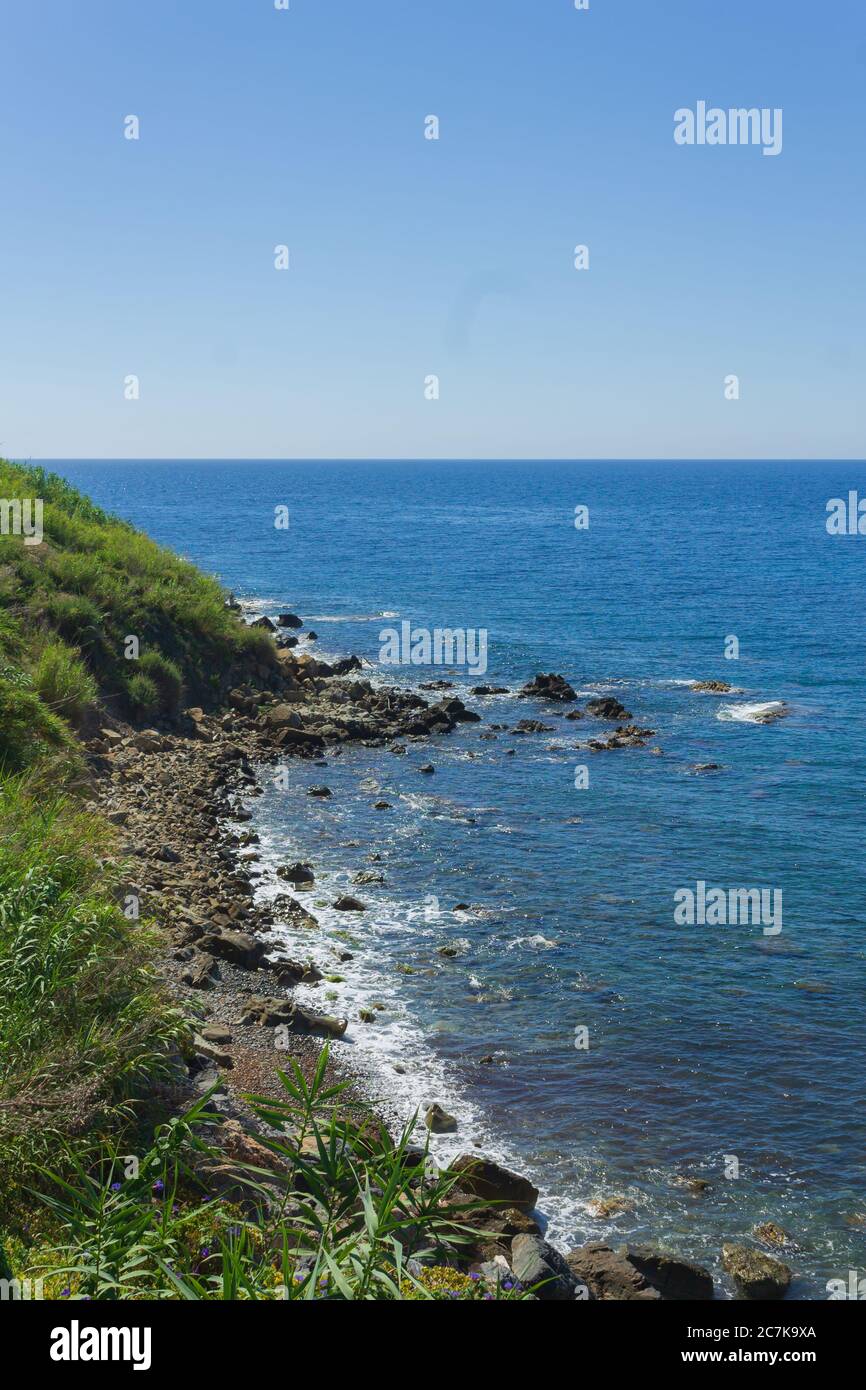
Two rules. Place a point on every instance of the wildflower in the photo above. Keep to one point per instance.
(64, 1293)
(159, 1185)
(115, 1187)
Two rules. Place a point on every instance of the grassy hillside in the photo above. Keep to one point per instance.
(83, 1024)
(68, 606)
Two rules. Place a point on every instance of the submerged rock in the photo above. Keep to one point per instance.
(712, 687)
(346, 903)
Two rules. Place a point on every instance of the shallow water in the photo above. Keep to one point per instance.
(706, 1043)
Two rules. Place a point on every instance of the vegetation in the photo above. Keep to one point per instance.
(69, 604)
(347, 1215)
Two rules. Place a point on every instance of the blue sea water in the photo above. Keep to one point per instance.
(714, 1052)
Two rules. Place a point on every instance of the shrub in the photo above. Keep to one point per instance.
(167, 679)
(28, 729)
(143, 695)
(62, 680)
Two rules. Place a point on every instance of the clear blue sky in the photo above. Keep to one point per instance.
(411, 257)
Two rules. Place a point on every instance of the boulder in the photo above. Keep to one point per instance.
(491, 1182)
(608, 1275)
(296, 873)
(549, 687)
(264, 623)
(712, 687)
(323, 792)
(346, 903)
(755, 1275)
(289, 620)
(606, 707)
(200, 972)
(236, 947)
(534, 1261)
(438, 1121)
(675, 1278)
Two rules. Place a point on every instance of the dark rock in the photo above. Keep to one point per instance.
(490, 1181)
(489, 690)
(712, 687)
(237, 947)
(296, 873)
(532, 726)
(290, 620)
(427, 767)
(606, 707)
(549, 687)
(534, 1261)
(346, 903)
(323, 792)
(675, 1278)
(265, 623)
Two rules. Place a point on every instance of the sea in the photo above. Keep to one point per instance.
(536, 956)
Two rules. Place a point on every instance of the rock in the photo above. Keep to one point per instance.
(606, 707)
(237, 947)
(532, 726)
(771, 1234)
(533, 1260)
(268, 1012)
(755, 1275)
(381, 806)
(366, 1016)
(489, 690)
(368, 876)
(323, 792)
(457, 711)
(148, 741)
(574, 714)
(212, 1052)
(712, 687)
(427, 767)
(436, 685)
(167, 855)
(346, 903)
(706, 767)
(289, 620)
(608, 1275)
(264, 623)
(289, 737)
(283, 716)
(550, 687)
(438, 1121)
(305, 1022)
(296, 873)
(675, 1278)
(488, 1180)
(200, 972)
(215, 1033)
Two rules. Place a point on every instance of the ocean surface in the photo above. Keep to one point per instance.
(724, 1053)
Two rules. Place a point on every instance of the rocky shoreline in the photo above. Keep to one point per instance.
(175, 795)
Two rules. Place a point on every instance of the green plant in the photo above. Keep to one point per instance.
(63, 682)
(143, 695)
(344, 1214)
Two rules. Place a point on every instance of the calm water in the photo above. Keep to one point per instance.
(706, 1044)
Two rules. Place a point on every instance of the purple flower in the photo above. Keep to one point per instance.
(64, 1293)
(205, 1253)
(159, 1185)
(115, 1187)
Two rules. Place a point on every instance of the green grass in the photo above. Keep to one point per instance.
(83, 1026)
(94, 582)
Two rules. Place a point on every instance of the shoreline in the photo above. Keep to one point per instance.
(180, 798)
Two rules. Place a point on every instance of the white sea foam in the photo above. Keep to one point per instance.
(760, 713)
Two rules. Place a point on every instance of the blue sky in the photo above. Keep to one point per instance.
(412, 257)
